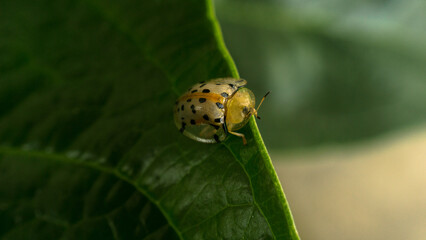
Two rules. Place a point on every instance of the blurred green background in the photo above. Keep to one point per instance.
(346, 119)
(338, 71)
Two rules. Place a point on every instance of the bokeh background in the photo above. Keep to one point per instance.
(346, 119)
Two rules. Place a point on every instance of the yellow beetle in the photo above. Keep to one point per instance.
(210, 110)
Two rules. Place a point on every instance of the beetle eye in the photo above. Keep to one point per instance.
(245, 110)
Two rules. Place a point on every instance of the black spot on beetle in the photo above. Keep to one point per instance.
(182, 108)
(193, 108)
(218, 120)
(218, 84)
(206, 90)
(219, 105)
(202, 100)
(216, 138)
(189, 100)
(192, 121)
(231, 85)
(193, 91)
(224, 94)
(215, 126)
(202, 85)
(206, 117)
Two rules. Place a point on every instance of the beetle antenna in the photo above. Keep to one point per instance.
(261, 101)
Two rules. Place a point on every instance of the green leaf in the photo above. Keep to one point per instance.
(89, 149)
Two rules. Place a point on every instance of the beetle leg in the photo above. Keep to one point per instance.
(225, 128)
(241, 136)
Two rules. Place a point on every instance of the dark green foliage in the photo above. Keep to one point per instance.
(89, 149)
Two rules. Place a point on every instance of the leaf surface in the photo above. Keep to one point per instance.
(88, 145)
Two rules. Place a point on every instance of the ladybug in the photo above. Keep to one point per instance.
(211, 110)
